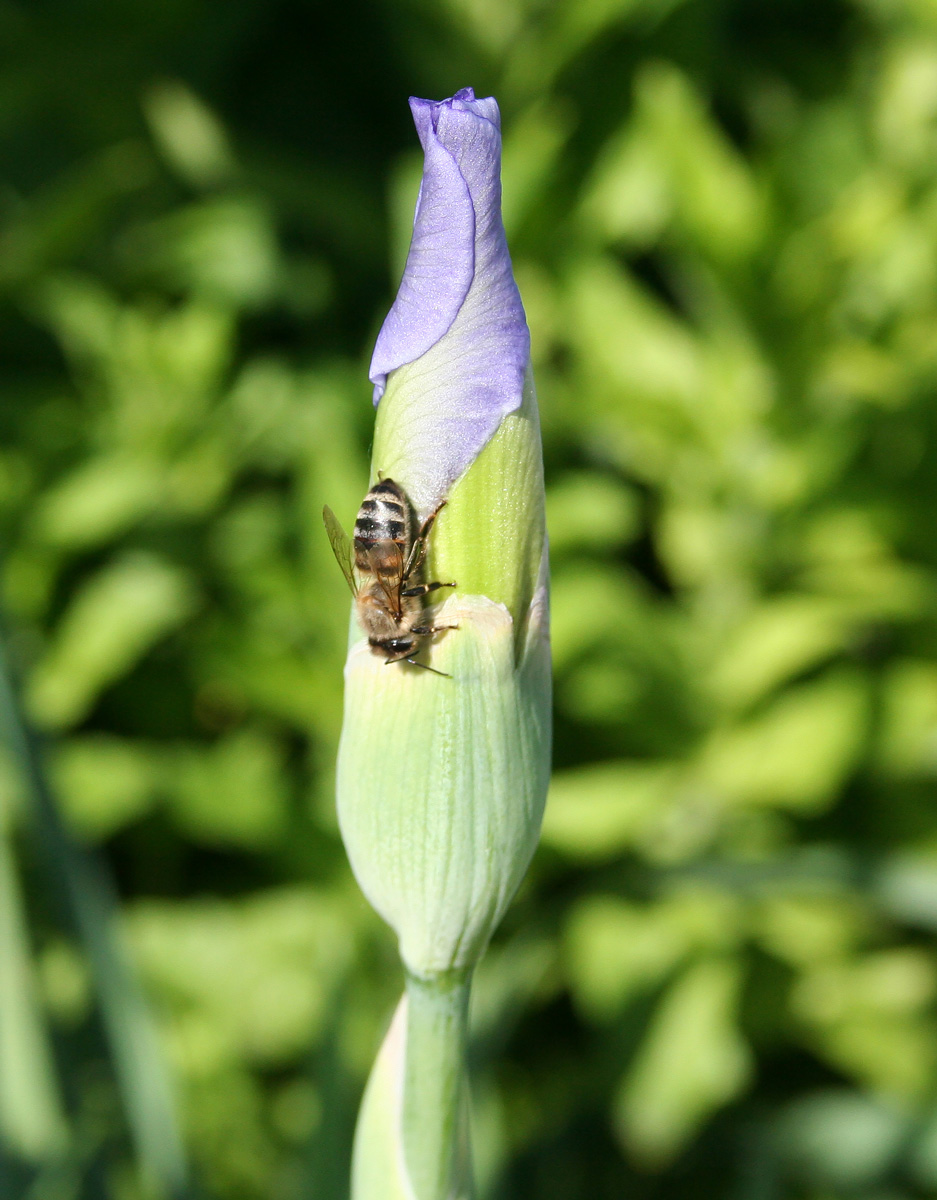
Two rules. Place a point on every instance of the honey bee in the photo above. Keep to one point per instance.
(389, 558)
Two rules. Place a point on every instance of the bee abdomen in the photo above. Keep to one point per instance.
(384, 515)
(380, 529)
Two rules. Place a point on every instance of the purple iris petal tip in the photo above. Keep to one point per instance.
(458, 307)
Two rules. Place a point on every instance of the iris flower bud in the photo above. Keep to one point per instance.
(441, 781)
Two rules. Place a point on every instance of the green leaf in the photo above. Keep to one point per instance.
(233, 793)
(598, 811)
(104, 782)
(112, 622)
(279, 952)
(693, 1061)
(797, 753)
(780, 639)
(378, 1171)
(616, 950)
(99, 500)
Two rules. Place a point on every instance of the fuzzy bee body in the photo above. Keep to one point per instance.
(388, 553)
(384, 516)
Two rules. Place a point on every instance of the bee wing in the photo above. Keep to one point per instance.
(385, 561)
(341, 547)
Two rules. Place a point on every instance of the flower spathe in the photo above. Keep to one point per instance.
(442, 814)
(457, 323)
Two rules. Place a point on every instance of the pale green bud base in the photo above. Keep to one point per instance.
(441, 782)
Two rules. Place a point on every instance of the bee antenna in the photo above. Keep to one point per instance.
(422, 666)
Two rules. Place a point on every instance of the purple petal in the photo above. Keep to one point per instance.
(458, 316)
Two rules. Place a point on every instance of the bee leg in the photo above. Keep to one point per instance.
(424, 630)
(420, 589)
(428, 523)
(415, 561)
(418, 550)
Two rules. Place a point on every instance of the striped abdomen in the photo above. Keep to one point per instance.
(384, 516)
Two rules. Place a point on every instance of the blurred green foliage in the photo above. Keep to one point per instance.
(720, 978)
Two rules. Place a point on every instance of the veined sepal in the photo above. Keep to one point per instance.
(441, 782)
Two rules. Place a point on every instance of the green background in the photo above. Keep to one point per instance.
(719, 979)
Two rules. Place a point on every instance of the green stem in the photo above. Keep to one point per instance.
(434, 1093)
(32, 1122)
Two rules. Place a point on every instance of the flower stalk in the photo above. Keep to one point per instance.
(441, 782)
(435, 1095)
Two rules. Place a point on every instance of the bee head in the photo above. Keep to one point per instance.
(394, 648)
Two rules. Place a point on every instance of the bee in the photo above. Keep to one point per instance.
(388, 553)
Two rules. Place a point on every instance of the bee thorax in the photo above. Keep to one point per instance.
(379, 621)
